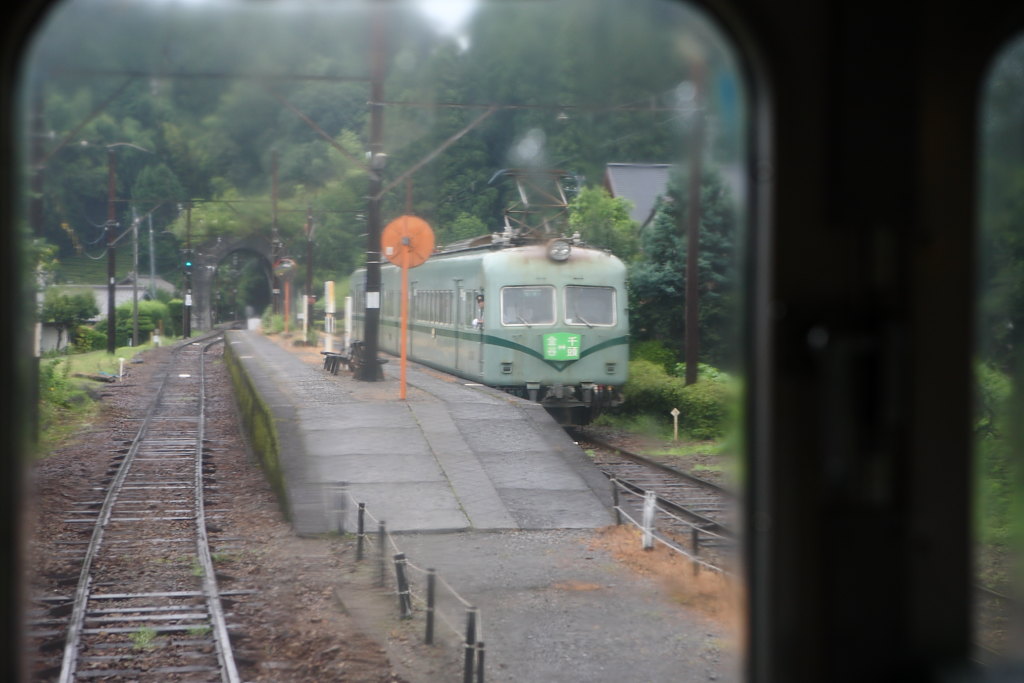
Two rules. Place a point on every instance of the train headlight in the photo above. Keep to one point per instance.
(558, 250)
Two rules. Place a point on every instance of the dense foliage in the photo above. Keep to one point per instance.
(707, 407)
(250, 118)
(658, 280)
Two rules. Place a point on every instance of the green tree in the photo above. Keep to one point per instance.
(603, 221)
(153, 315)
(658, 281)
(67, 310)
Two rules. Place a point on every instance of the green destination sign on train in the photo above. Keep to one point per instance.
(561, 346)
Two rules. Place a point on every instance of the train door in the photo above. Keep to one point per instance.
(412, 319)
(476, 314)
(459, 320)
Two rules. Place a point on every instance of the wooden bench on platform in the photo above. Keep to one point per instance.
(333, 360)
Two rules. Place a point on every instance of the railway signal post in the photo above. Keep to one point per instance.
(407, 242)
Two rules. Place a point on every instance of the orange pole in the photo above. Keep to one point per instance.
(405, 317)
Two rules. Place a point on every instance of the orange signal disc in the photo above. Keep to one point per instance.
(407, 241)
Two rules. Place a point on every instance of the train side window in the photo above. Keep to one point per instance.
(589, 305)
(527, 306)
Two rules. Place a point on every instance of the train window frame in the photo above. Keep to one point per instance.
(613, 306)
(553, 301)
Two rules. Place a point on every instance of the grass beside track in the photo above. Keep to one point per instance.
(68, 390)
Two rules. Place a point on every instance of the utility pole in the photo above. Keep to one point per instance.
(152, 261)
(135, 278)
(35, 214)
(186, 323)
(308, 308)
(112, 240)
(275, 238)
(692, 350)
(370, 371)
(111, 258)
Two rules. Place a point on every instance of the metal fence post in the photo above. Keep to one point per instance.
(615, 499)
(338, 503)
(467, 667)
(381, 538)
(361, 533)
(480, 662)
(404, 600)
(431, 588)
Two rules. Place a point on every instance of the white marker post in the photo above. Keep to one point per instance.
(650, 503)
(675, 423)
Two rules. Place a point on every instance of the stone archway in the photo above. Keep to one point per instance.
(206, 260)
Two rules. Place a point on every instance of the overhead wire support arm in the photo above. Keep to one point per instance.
(317, 129)
(445, 145)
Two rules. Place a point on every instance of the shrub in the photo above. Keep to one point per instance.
(176, 313)
(153, 315)
(273, 323)
(54, 387)
(650, 389)
(704, 371)
(706, 406)
(992, 394)
(654, 351)
(89, 339)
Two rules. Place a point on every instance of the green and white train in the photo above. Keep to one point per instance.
(546, 321)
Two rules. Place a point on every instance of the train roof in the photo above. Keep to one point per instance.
(503, 241)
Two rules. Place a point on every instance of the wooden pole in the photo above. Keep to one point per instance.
(692, 350)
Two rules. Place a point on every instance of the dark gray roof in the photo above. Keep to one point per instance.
(641, 184)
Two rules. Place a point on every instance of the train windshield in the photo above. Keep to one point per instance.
(528, 306)
(589, 305)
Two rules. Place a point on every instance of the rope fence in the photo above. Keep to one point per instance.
(647, 526)
(415, 588)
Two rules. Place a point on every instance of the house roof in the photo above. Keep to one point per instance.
(145, 280)
(641, 184)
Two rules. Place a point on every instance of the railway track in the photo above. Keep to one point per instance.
(144, 602)
(698, 515)
(709, 511)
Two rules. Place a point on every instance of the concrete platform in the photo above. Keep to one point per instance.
(556, 605)
(449, 457)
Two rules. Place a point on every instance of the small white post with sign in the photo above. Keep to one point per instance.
(329, 311)
(650, 503)
(675, 423)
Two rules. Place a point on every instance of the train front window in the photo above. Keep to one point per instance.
(528, 306)
(589, 306)
(302, 130)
